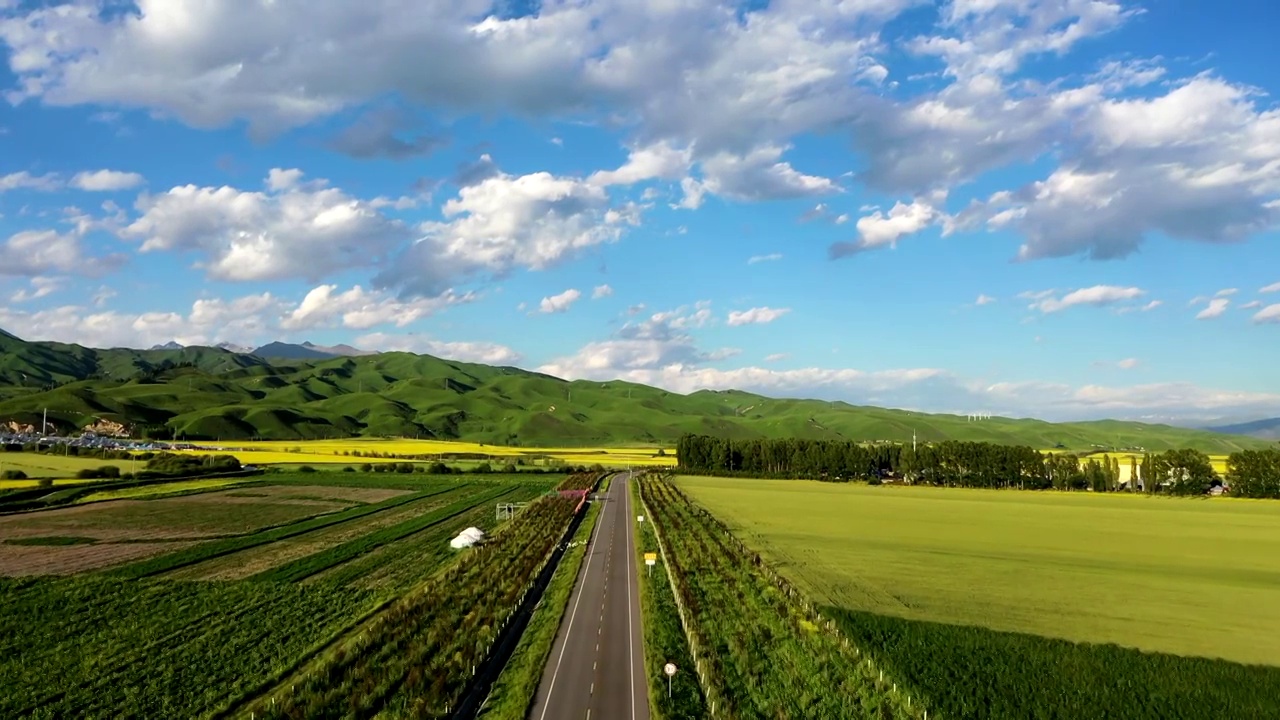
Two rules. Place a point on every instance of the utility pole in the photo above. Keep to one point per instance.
(44, 427)
(913, 439)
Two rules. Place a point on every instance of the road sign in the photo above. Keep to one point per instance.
(651, 558)
(639, 518)
(669, 669)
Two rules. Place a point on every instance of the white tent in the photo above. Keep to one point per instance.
(467, 538)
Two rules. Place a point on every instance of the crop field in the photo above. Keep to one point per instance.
(318, 452)
(40, 465)
(1219, 462)
(930, 576)
(199, 604)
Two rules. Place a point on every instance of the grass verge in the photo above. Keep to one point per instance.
(664, 639)
(514, 691)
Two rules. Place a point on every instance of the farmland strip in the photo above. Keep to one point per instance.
(415, 659)
(303, 568)
(205, 551)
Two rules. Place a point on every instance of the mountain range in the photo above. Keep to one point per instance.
(215, 394)
(291, 351)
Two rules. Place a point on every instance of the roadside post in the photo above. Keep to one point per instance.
(650, 559)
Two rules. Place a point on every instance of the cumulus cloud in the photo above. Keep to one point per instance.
(506, 222)
(360, 309)
(26, 181)
(1215, 308)
(49, 252)
(879, 229)
(776, 357)
(293, 229)
(660, 161)
(1268, 314)
(559, 303)
(488, 353)
(601, 291)
(1273, 287)
(984, 299)
(771, 257)
(756, 316)
(106, 180)
(39, 287)
(1096, 296)
(1226, 292)
(654, 353)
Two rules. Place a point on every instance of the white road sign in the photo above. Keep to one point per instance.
(669, 669)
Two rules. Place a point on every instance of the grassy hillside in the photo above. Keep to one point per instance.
(210, 393)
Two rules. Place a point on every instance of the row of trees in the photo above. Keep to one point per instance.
(984, 465)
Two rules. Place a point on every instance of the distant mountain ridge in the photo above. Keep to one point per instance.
(292, 351)
(1267, 429)
(209, 393)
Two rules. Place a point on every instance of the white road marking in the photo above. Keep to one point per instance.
(569, 633)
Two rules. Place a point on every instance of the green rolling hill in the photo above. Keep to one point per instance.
(213, 394)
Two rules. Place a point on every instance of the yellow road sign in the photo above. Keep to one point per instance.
(651, 556)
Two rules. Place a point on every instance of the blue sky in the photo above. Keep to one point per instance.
(1052, 209)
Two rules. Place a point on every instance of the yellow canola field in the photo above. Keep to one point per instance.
(274, 452)
(1219, 462)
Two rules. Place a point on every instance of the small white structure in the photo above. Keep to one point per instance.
(467, 538)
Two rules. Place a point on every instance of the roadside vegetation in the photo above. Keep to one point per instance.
(760, 650)
(664, 637)
(514, 692)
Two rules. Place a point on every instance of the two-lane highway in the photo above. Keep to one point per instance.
(596, 666)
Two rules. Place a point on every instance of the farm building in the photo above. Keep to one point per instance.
(467, 538)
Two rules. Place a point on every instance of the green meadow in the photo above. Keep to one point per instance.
(1182, 576)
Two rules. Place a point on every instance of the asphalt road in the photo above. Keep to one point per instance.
(596, 666)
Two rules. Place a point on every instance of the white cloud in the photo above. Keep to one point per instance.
(507, 222)
(771, 257)
(477, 352)
(601, 291)
(106, 180)
(654, 354)
(984, 300)
(776, 357)
(26, 181)
(48, 252)
(250, 317)
(756, 316)
(1216, 307)
(1268, 314)
(718, 92)
(1251, 305)
(293, 230)
(361, 309)
(879, 229)
(1152, 305)
(759, 174)
(1128, 364)
(1097, 296)
(1273, 287)
(39, 287)
(559, 303)
(659, 161)
(1226, 292)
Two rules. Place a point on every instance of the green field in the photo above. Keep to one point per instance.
(42, 465)
(1190, 577)
(211, 394)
